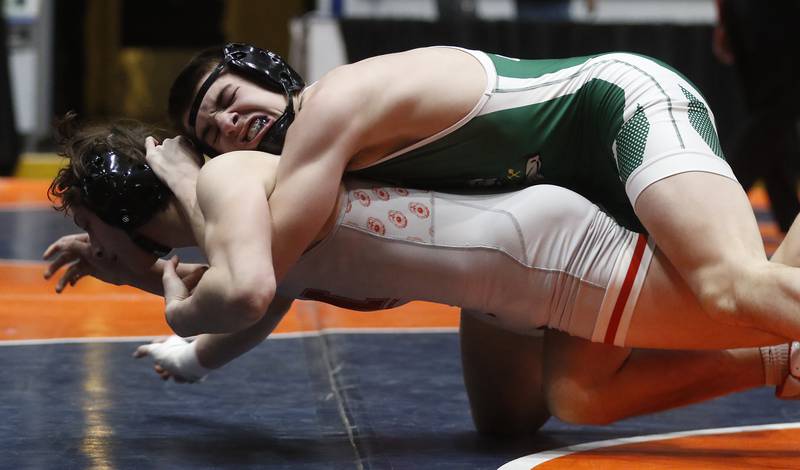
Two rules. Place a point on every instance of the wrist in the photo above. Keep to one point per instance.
(190, 363)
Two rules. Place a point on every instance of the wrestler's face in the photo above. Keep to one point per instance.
(112, 242)
(235, 113)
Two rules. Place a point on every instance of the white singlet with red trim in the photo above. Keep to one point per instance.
(540, 257)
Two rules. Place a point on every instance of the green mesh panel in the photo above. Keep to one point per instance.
(631, 142)
(701, 121)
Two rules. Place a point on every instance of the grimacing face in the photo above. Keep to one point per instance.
(236, 113)
(112, 242)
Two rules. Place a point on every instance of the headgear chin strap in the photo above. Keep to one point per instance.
(266, 69)
(125, 194)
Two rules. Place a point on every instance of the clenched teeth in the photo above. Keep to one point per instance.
(257, 125)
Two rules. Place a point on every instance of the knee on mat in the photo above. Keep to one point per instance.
(576, 403)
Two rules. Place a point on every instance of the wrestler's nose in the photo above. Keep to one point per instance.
(229, 123)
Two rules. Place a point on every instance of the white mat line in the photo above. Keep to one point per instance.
(300, 334)
(530, 462)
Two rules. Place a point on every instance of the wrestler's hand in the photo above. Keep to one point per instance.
(175, 162)
(174, 358)
(76, 252)
(175, 289)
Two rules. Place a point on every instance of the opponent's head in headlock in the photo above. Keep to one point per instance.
(110, 190)
(236, 97)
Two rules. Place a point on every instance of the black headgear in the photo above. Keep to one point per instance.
(125, 194)
(265, 68)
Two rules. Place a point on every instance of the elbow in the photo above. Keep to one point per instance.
(249, 303)
(178, 327)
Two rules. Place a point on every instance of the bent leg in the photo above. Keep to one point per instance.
(705, 226)
(593, 383)
(503, 377)
(669, 316)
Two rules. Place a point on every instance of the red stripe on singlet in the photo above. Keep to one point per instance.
(625, 291)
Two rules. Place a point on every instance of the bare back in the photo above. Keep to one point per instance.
(407, 96)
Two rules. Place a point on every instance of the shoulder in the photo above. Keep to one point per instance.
(373, 82)
(332, 119)
(237, 170)
(347, 102)
(241, 161)
(338, 93)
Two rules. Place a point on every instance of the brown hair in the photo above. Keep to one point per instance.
(78, 141)
(181, 95)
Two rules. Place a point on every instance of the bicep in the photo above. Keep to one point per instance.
(237, 234)
(303, 199)
(330, 130)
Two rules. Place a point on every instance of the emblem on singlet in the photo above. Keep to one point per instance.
(533, 169)
(362, 197)
(513, 174)
(531, 173)
(381, 193)
(398, 219)
(376, 226)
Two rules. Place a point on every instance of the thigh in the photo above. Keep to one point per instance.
(702, 222)
(503, 377)
(676, 177)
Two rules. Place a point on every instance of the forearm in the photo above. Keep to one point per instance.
(216, 350)
(218, 305)
(178, 165)
(186, 194)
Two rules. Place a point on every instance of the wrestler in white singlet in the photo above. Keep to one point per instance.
(540, 257)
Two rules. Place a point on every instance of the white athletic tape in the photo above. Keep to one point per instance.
(177, 356)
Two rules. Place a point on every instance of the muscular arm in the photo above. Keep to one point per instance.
(301, 204)
(310, 172)
(236, 290)
(185, 361)
(216, 350)
(178, 165)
